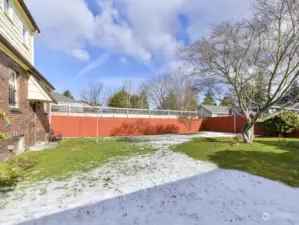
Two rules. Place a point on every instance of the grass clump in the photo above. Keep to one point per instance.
(8, 177)
(21, 163)
(10, 171)
(77, 155)
(268, 157)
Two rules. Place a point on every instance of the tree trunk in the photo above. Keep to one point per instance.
(248, 132)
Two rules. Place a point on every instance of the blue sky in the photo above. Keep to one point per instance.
(117, 40)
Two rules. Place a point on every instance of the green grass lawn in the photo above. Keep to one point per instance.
(268, 157)
(73, 155)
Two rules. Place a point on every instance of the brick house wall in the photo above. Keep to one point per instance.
(27, 122)
(42, 125)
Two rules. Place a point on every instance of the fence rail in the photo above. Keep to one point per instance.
(121, 112)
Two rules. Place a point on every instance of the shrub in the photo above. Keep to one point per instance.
(20, 163)
(8, 177)
(284, 123)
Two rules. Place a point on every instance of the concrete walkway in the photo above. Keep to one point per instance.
(43, 145)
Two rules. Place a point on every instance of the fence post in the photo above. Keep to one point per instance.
(149, 113)
(168, 114)
(234, 123)
(69, 109)
(127, 113)
(97, 125)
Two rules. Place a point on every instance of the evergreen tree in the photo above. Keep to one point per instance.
(119, 100)
(209, 98)
(134, 100)
(68, 94)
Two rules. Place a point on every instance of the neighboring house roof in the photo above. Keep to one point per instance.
(63, 99)
(34, 71)
(84, 103)
(294, 107)
(216, 109)
(28, 14)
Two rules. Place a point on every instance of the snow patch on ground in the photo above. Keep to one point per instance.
(163, 187)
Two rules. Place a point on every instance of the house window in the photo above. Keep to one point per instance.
(25, 36)
(12, 88)
(6, 6)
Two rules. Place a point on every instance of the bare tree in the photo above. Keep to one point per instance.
(188, 120)
(257, 58)
(143, 97)
(127, 88)
(158, 89)
(93, 94)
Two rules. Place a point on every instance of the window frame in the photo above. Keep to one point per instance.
(24, 35)
(6, 6)
(8, 11)
(12, 73)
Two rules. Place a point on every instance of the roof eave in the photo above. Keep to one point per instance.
(26, 62)
(28, 14)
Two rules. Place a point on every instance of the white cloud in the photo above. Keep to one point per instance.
(80, 54)
(142, 29)
(102, 59)
(65, 25)
(114, 34)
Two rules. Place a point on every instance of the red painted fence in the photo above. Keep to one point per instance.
(234, 125)
(72, 126)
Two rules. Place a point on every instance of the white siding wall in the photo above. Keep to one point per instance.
(11, 27)
(204, 113)
(36, 92)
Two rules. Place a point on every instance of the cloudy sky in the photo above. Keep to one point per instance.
(117, 40)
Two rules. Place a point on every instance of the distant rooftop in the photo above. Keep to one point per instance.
(63, 99)
(217, 109)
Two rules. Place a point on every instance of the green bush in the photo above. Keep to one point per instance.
(8, 177)
(20, 163)
(284, 123)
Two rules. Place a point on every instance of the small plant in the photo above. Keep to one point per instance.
(189, 121)
(20, 163)
(239, 139)
(4, 117)
(8, 177)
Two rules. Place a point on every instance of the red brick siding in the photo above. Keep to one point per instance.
(22, 117)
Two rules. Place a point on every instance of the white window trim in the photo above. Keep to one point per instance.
(16, 106)
(24, 35)
(9, 11)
